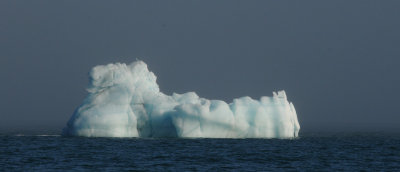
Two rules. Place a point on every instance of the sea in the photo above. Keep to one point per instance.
(309, 152)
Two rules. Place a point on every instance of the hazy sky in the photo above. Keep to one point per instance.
(337, 60)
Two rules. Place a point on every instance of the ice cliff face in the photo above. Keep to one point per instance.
(125, 101)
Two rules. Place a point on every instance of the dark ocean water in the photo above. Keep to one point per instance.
(311, 152)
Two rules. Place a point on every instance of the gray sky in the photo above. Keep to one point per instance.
(337, 60)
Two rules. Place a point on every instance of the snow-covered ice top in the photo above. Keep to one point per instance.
(125, 101)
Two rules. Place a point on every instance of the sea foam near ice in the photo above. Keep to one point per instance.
(125, 101)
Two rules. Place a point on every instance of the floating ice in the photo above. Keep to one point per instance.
(125, 101)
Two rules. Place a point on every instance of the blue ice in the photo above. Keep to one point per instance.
(125, 101)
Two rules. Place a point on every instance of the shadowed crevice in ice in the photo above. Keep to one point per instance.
(125, 101)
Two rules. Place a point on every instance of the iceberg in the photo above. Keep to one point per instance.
(125, 101)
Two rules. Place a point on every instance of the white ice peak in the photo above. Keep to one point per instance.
(125, 101)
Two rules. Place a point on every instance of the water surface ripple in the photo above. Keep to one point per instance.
(313, 152)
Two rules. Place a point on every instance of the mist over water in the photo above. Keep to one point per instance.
(337, 61)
